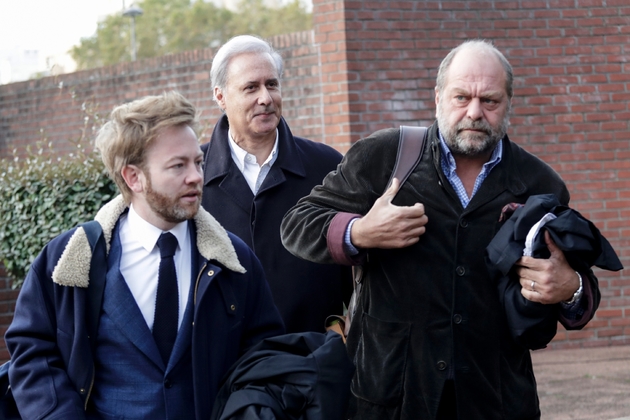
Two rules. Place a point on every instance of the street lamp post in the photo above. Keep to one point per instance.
(132, 12)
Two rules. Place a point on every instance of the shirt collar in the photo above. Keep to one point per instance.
(448, 160)
(147, 234)
(239, 154)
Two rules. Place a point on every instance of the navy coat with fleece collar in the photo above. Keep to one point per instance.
(52, 371)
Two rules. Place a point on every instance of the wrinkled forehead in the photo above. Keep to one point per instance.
(252, 64)
(476, 67)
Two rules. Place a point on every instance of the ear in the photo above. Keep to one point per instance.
(437, 96)
(218, 96)
(134, 178)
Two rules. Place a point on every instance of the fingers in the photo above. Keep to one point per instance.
(387, 225)
(547, 281)
(551, 245)
(391, 192)
(532, 295)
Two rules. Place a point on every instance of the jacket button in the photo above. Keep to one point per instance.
(211, 273)
(463, 223)
(233, 307)
(457, 318)
(167, 383)
(441, 365)
(82, 391)
(460, 270)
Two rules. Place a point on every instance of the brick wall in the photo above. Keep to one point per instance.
(571, 106)
(372, 64)
(56, 108)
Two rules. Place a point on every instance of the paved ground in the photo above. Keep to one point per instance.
(584, 384)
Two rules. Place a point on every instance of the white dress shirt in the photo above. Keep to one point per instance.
(140, 260)
(246, 162)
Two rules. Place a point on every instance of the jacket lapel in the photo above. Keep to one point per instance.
(121, 307)
(218, 164)
(235, 187)
(498, 181)
(234, 184)
(184, 335)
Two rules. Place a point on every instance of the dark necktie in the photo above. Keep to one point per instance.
(167, 299)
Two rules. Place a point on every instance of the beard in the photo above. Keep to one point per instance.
(471, 144)
(170, 208)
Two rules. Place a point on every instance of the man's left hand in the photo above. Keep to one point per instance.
(547, 281)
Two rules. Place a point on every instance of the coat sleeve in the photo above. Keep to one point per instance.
(263, 319)
(577, 318)
(38, 378)
(353, 188)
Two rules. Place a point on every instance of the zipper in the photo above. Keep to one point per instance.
(89, 393)
(197, 284)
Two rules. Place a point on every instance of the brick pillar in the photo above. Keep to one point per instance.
(376, 71)
(330, 34)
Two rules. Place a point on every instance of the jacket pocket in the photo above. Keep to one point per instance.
(381, 360)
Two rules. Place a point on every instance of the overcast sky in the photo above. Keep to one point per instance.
(51, 26)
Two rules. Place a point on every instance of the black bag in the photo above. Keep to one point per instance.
(94, 233)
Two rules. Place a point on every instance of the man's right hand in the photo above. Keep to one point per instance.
(387, 225)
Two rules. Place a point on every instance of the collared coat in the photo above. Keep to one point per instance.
(305, 292)
(52, 368)
(427, 312)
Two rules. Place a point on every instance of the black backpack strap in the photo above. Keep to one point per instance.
(410, 151)
(98, 270)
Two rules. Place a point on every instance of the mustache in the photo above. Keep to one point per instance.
(479, 125)
(194, 191)
(267, 110)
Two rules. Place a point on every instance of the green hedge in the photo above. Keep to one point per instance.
(43, 195)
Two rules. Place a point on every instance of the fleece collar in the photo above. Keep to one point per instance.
(73, 267)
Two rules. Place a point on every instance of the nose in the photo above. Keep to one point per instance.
(265, 97)
(474, 111)
(195, 174)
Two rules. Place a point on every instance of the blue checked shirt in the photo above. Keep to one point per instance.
(449, 167)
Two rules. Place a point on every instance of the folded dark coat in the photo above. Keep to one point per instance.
(294, 376)
(532, 324)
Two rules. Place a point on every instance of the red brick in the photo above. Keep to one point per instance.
(371, 64)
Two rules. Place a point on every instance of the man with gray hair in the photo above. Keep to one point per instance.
(255, 170)
(429, 337)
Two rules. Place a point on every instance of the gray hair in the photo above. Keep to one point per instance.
(241, 44)
(482, 45)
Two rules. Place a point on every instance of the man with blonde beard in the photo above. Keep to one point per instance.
(182, 300)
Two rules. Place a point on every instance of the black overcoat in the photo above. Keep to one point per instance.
(430, 311)
(304, 292)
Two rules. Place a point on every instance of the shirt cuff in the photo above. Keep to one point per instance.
(335, 239)
(573, 315)
(347, 241)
